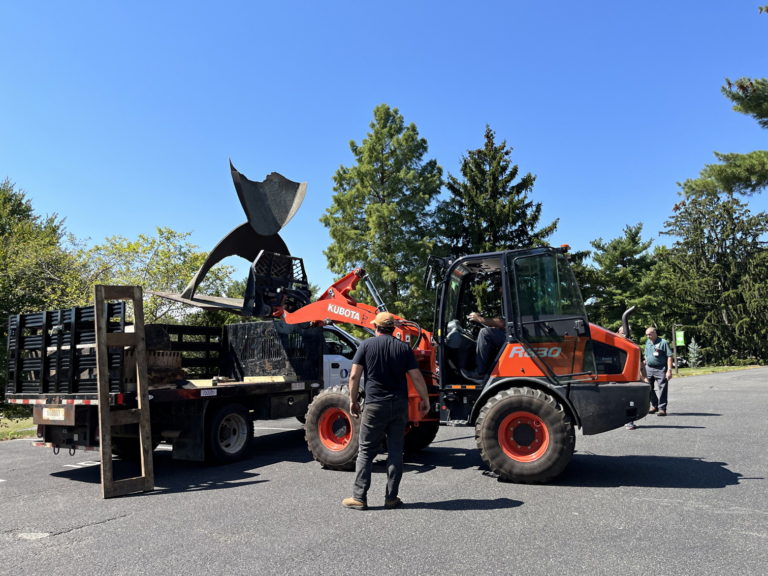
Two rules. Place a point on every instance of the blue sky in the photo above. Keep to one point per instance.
(122, 116)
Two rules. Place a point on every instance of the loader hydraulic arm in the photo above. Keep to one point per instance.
(336, 305)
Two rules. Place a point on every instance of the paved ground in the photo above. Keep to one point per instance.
(680, 495)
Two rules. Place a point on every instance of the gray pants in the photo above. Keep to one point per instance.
(658, 376)
(380, 419)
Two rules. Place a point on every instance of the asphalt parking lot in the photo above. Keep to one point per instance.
(680, 495)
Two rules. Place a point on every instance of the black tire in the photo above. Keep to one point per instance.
(228, 434)
(524, 435)
(332, 432)
(419, 437)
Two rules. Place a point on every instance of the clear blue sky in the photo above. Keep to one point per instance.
(122, 116)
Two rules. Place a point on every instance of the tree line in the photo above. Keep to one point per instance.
(389, 213)
(394, 208)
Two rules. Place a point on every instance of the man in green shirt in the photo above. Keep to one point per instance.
(658, 365)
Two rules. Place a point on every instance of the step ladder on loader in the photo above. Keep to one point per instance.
(109, 417)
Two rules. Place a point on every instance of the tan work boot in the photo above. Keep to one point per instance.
(354, 504)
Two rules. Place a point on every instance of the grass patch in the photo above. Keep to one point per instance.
(709, 370)
(11, 428)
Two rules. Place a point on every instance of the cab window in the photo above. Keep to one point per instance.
(337, 345)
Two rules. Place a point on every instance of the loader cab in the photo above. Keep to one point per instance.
(545, 334)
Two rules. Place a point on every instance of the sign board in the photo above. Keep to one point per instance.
(680, 338)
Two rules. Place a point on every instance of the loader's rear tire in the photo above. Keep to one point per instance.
(228, 434)
(524, 435)
(331, 431)
(419, 437)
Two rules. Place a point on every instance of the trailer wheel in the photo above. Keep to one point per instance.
(419, 437)
(524, 435)
(229, 434)
(331, 431)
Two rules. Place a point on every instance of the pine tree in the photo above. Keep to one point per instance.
(379, 217)
(695, 356)
(744, 173)
(617, 279)
(487, 210)
(714, 275)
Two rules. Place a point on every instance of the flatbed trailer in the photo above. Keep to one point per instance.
(206, 385)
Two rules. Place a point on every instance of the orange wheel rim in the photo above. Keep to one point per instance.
(335, 429)
(523, 436)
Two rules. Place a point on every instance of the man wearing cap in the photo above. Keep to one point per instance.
(385, 360)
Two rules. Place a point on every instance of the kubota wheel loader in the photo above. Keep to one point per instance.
(555, 371)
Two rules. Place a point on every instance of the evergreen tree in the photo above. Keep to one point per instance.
(744, 173)
(618, 279)
(715, 275)
(694, 354)
(379, 216)
(487, 210)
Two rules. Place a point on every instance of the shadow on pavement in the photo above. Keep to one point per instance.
(466, 504)
(590, 470)
(180, 476)
(641, 424)
(694, 414)
(441, 457)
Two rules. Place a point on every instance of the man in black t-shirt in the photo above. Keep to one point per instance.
(385, 360)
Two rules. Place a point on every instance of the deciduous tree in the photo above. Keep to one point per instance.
(39, 266)
(164, 262)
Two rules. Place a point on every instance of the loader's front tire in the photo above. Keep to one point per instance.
(332, 432)
(524, 435)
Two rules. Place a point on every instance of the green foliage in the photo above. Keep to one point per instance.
(740, 173)
(743, 173)
(164, 262)
(695, 357)
(486, 210)
(199, 317)
(750, 96)
(714, 275)
(39, 266)
(618, 279)
(378, 219)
